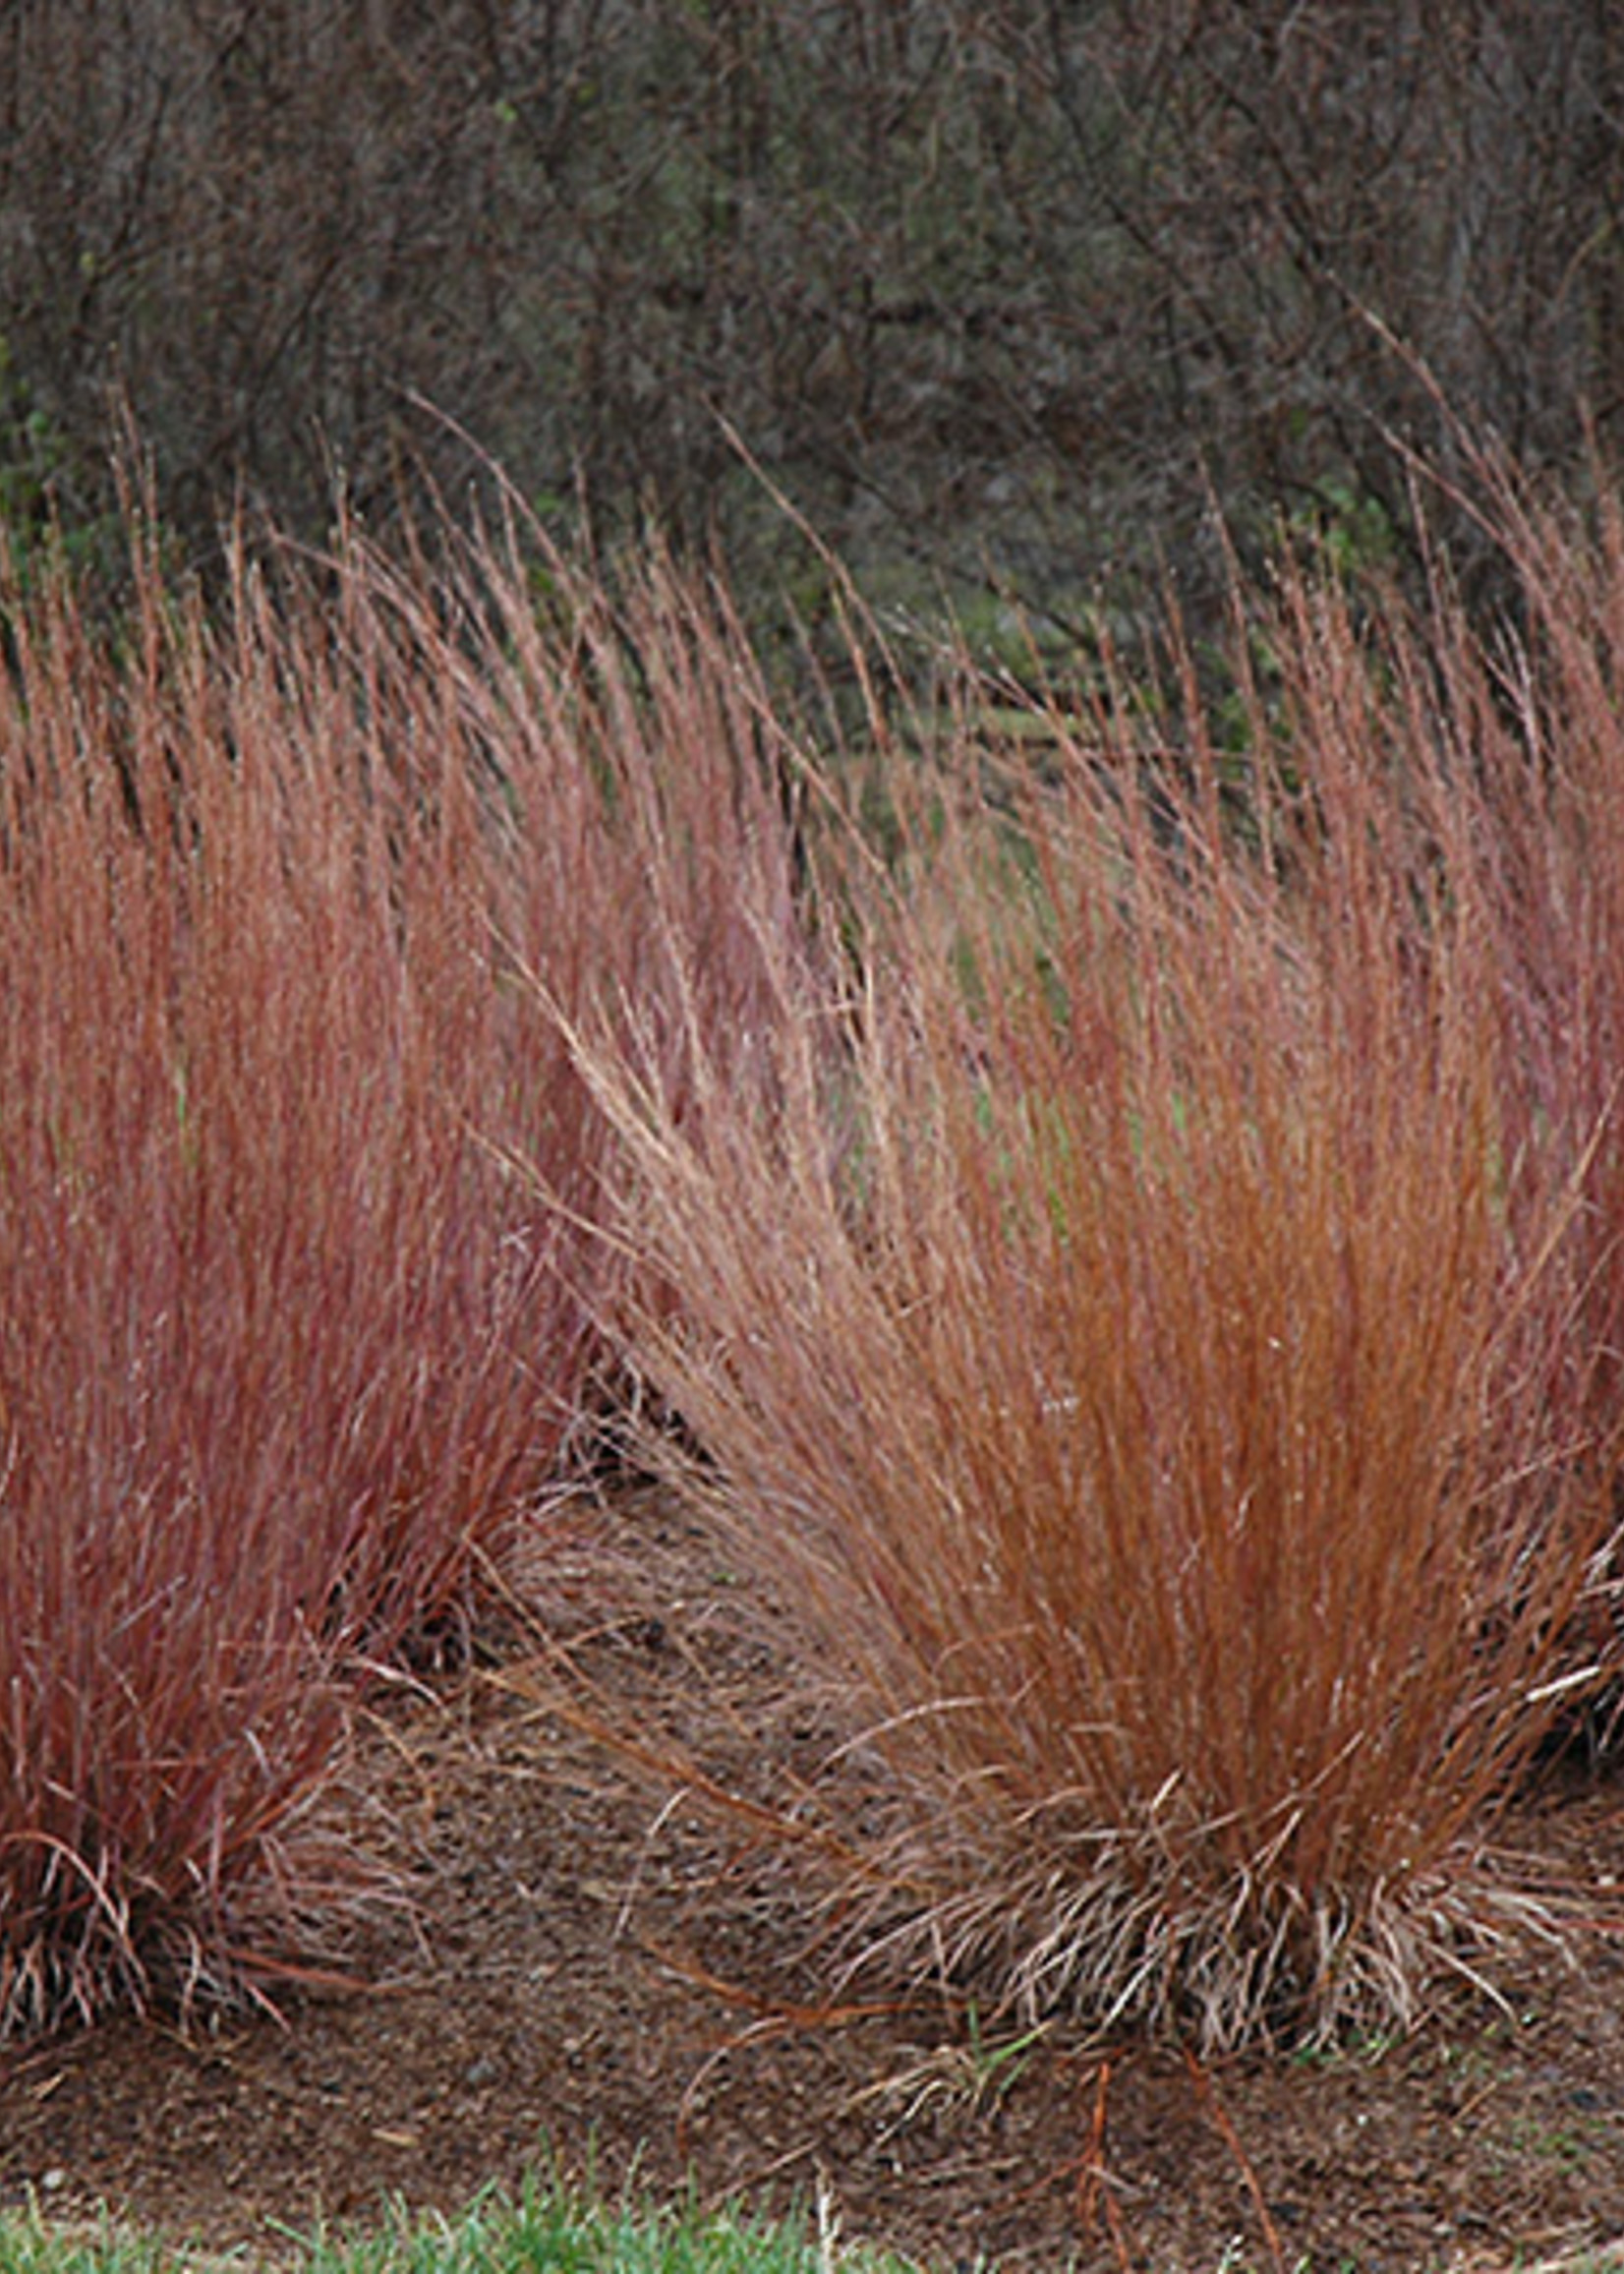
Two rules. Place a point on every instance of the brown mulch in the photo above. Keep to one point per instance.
(604, 1971)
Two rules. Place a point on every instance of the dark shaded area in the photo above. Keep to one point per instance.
(1005, 295)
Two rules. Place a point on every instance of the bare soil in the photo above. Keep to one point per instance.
(602, 1971)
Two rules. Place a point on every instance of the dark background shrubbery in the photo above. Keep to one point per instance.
(1003, 294)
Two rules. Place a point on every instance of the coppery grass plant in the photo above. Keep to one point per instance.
(1503, 756)
(289, 1353)
(1529, 733)
(1115, 1354)
(1516, 743)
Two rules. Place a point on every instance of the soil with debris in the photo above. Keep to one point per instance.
(603, 1972)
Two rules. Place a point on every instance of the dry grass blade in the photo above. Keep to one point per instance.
(1208, 2093)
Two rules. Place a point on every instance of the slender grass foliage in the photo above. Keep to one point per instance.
(168, 1713)
(288, 1350)
(1116, 1352)
(1530, 737)
(1529, 765)
(1504, 757)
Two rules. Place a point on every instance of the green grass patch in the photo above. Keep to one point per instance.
(549, 2224)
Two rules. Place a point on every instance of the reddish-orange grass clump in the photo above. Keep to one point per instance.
(1116, 1352)
(1523, 778)
(288, 1346)
(1528, 729)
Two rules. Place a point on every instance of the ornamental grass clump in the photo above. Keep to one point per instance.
(1530, 739)
(169, 1710)
(1527, 735)
(1113, 1353)
(289, 1350)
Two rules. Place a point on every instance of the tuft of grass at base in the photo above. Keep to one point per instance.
(550, 2227)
